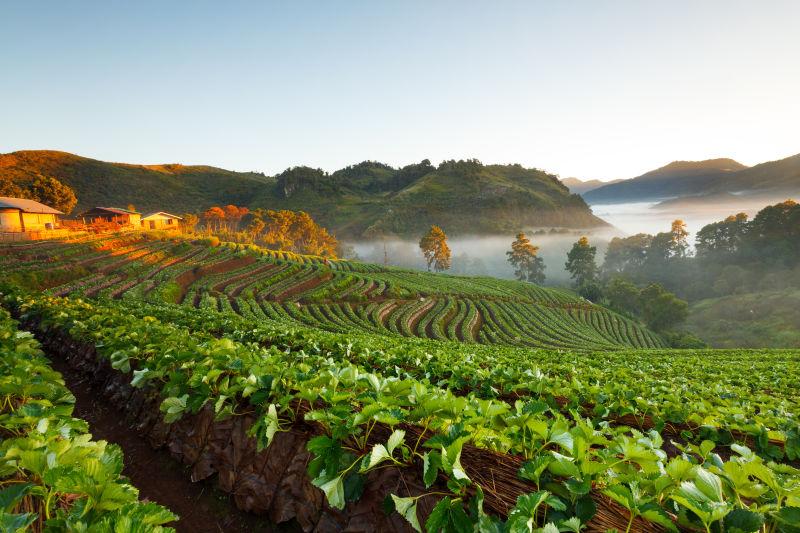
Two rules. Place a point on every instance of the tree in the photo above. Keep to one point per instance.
(623, 296)
(296, 232)
(580, 262)
(214, 216)
(523, 256)
(434, 247)
(255, 227)
(626, 254)
(52, 192)
(189, 221)
(662, 310)
(131, 207)
(720, 239)
(233, 215)
(669, 245)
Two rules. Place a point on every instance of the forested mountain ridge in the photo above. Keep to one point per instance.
(367, 199)
(713, 177)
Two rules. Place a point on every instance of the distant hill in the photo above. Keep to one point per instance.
(367, 199)
(579, 186)
(679, 178)
(148, 187)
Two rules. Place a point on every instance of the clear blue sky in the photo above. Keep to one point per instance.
(588, 89)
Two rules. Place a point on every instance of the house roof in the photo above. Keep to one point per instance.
(27, 206)
(148, 215)
(114, 210)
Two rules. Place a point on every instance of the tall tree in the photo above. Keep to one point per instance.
(52, 192)
(626, 254)
(523, 256)
(189, 221)
(255, 227)
(581, 264)
(661, 309)
(434, 247)
(214, 217)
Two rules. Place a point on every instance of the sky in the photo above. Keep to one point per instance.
(588, 89)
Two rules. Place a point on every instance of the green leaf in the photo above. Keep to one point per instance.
(743, 521)
(378, 454)
(395, 439)
(13, 523)
(334, 492)
(448, 515)
(431, 463)
(657, 515)
(451, 461)
(407, 507)
(10, 495)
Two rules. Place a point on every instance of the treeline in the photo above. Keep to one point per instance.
(293, 231)
(735, 255)
(43, 189)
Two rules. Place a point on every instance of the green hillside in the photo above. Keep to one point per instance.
(174, 188)
(751, 320)
(338, 296)
(464, 197)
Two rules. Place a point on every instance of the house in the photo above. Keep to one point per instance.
(161, 220)
(116, 215)
(24, 216)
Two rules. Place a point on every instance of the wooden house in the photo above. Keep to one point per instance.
(161, 220)
(115, 215)
(18, 215)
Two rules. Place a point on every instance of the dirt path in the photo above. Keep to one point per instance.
(159, 478)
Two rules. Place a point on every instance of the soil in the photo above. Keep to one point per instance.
(202, 507)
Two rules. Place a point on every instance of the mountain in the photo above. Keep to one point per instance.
(579, 186)
(679, 178)
(367, 199)
(171, 187)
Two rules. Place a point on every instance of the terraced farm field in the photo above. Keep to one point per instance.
(338, 296)
(338, 396)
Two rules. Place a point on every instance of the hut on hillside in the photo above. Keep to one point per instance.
(116, 215)
(161, 220)
(22, 220)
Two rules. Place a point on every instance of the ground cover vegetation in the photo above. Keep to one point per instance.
(536, 411)
(53, 475)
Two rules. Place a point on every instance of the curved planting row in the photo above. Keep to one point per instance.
(470, 463)
(680, 392)
(385, 300)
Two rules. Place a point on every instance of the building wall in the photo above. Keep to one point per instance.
(160, 222)
(9, 220)
(37, 221)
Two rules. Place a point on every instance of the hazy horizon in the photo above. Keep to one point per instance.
(586, 90)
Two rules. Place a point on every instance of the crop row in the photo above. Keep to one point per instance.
(494, 465)
(53, 476)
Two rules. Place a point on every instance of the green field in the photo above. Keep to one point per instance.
(502, 405)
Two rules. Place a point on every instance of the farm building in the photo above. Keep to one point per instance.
(161, 220)
(20, 216)
(111, 214)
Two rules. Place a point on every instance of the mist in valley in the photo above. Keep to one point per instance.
(486, 255)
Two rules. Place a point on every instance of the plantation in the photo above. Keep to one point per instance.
(339, 395)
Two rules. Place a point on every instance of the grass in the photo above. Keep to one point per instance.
(753, 320)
